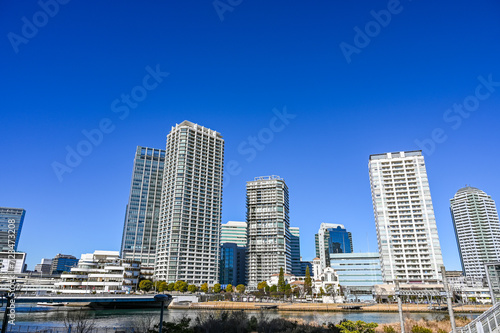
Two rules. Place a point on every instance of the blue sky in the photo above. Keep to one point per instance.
(73, 70)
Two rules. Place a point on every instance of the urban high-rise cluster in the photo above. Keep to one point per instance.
(173, 228)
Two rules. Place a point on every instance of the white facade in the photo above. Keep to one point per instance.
(234, 232)
(101, 272)
(324, 254)
(268, 229)
(325, 279)
(407, 235)
(12, 262)
(188, 245)
(477, 229)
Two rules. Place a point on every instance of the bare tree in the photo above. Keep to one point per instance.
(81, 321)
(145, 323)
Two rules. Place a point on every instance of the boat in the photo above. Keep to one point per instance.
(51, 304)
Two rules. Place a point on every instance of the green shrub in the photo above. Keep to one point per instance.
(420, 329)
(388, 329)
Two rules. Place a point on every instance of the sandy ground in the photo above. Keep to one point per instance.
(325, 307)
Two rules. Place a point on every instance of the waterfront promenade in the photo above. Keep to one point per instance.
(421, 308)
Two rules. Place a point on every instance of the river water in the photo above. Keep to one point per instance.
(31, 315)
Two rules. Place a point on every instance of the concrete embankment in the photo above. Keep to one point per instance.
(325, 307)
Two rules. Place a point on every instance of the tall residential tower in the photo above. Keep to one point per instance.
(268, 222)
(407, 235)
(477, 229)
(188, 246)
(143, 210)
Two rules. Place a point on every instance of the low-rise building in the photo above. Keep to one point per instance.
(101, 272)
(358, 273)
(12, 263)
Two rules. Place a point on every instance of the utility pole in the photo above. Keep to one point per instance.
(449, 296)
(397, 293)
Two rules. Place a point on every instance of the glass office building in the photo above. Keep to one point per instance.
(232, 265)
(339, 240)
(63, 263)
(332, 238)
(234, 232)
(295, 250)
(358, 273)
(143, 210)
(10, 219)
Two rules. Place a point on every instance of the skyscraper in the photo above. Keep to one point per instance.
(232, 264)
(407, 235)
(143, 209)
(268, 229)
(295, 250)
(234, 232)
(188, 246)
(10, 219)
(332, 238)
(477, 229)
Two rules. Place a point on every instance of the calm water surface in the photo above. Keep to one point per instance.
(27, 315)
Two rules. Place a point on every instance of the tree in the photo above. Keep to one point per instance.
(192, 288)
(157, 285)
(321, 292)
(229, 288)
(181, 286)
(240, 288)
(281, 281)
(262, 286)
(308, 282)
(204, 288)
(146, 285)
(217, 288)
(274, 288)
(162, 286)
(171, 286)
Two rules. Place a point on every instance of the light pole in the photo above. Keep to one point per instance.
(162, 298)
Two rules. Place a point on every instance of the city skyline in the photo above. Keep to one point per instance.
(81, 94)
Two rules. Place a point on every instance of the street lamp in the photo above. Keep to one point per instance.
(162, 298)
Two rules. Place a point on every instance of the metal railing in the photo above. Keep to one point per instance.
(488, 322)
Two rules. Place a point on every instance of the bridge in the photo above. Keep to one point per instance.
(99, 301)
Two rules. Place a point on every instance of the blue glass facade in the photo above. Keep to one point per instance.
(10, 219)
(232, 264)
(295, 250)
(143, 210)
(63, 263)
(339, 241)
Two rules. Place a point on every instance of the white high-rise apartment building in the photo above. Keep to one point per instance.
(477, 229)
(407, 235)
(268, 229)
(234, 232)
(188, 246)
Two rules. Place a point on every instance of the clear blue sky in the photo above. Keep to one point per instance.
(229, 75)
